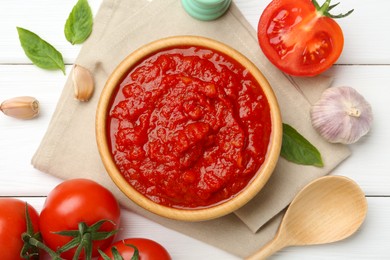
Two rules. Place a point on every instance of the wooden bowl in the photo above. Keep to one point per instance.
(206, 213)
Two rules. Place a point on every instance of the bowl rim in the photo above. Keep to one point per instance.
(197, 214)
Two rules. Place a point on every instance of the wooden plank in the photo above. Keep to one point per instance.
(43, 17)
(366, 40)
(19, 139)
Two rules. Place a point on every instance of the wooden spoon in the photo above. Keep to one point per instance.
(327, 210)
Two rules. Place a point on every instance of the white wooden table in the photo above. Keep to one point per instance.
(364, 65)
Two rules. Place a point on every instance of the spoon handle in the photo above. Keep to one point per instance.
(270, 248)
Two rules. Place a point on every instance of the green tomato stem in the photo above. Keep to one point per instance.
(38, 244)
(117, 256)
(83, 237)
(32, 241)
(324, 9)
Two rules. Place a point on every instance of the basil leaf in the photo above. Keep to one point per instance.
(78, 26)
(40, 52)
(297, 149)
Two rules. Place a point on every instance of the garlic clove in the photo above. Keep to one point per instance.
(341, 115)
(24, 107)
(82, 83)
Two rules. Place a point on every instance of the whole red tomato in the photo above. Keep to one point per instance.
(73, 205)
(147, 249)
(13, 225)
(300, 37)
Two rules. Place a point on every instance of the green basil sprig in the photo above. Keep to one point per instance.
(40, 52)
(78, 26)
(297, 149)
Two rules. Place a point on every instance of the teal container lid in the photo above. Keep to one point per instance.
(206, 9)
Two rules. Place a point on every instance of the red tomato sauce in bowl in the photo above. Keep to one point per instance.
(189, 127)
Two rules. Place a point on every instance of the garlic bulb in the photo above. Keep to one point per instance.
(341, 115)
(82, 83)
(20, 107)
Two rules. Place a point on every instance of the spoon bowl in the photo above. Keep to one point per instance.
(327, 210)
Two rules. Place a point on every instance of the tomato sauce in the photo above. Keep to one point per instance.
(189, 127)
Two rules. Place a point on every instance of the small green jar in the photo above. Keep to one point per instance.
(206, 10)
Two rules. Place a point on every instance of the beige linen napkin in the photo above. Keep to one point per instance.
(68, 149)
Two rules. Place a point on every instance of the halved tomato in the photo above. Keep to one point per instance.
(300, 37)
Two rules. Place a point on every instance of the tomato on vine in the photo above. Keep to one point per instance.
(300, 37)
(78, 217)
